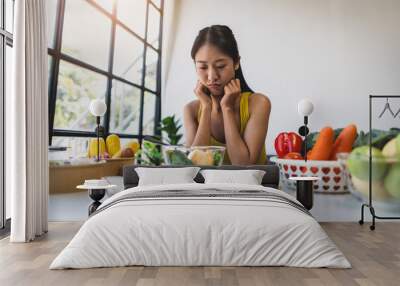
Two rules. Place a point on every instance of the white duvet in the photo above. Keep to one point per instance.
(200, 231)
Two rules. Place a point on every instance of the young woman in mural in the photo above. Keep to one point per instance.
(226, 112)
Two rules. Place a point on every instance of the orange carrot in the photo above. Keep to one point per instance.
(344, 142)
(323, 146)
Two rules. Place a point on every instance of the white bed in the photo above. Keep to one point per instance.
(264, 229)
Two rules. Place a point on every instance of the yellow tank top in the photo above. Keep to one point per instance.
(244, 118)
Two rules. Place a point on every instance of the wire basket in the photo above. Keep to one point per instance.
(332, 178)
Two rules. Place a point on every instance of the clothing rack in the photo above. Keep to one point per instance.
(370, 205)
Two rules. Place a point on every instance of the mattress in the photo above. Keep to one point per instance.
(201, 225)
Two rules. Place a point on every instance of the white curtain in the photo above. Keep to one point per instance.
(27, 122)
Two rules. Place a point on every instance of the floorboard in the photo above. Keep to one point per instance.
(374, 255)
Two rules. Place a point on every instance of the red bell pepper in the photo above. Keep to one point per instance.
(287, 142)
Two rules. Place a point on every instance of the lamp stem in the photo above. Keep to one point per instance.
(305, 120)
(98, 137)
(305, 138)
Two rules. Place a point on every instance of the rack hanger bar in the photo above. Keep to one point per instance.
(384, 96)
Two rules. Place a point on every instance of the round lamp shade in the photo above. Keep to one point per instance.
(305, 107)
(97, 107)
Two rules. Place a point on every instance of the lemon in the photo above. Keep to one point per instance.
(113, 144)
(199, 157)
(134, 145)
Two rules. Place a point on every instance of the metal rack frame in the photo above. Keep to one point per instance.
(370, 205)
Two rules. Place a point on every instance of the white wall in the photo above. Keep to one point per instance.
(335, 52)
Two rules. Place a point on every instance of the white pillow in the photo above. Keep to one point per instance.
(249, 177)
(163, 176)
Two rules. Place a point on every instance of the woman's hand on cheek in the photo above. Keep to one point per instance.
(231, 93)
(205, 100)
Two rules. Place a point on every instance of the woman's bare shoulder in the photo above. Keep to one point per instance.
(259, 100)
(192, 107)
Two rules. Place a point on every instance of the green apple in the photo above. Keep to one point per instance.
(358, 163)
(378, 189)
(392, 148)
(392, 180)
(398, 144)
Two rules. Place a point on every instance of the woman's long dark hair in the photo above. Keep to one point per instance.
(222, 37)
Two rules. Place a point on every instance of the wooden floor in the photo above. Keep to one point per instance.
(374, 255)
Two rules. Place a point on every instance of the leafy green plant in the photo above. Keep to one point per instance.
(171, 126)
(379, 137)
(150, 154)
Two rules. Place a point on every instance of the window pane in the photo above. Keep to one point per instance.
(128, 56)
(125, 141)
(133, 14)
(76, 88)
(86, 40)
(49, 65)
(153, 27)
(106, 4)
(151, 69)
(9, 15)
(149, 109)
(51, 6)
(76, 147)
(125, 108)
